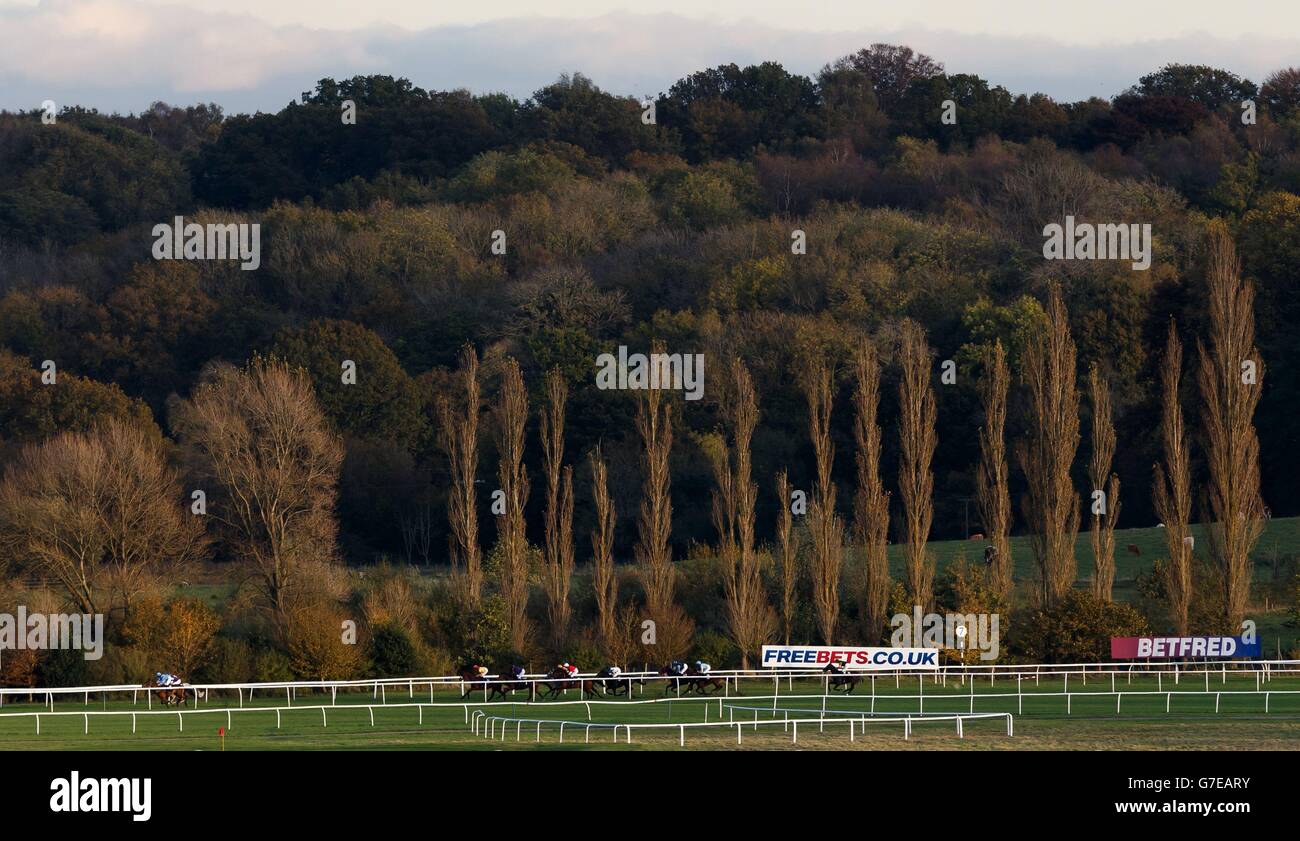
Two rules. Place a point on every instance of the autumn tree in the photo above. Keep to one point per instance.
(559, 509)
(1046, 456)
(511, 418)
(824, 524)
(993, 495)
(31, 411)
(99, 512)
(179, 633)
(788, 557)
(917, 439)
(262, 450)
(316, 649)
(871, 502)
(1173, 485)
(603, 577)
(653, 553)
(1231, 376)
(750, 620)
(1105, 508)
(458, 436)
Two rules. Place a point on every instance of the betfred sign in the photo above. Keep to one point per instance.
(1141, 648)
(854, 658)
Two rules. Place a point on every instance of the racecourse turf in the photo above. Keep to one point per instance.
(1041, 719)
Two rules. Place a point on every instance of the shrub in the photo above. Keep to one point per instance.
(119, 665)
(585, 653)
(392, 654)
(1075, 630)
(715, 649)
(177, 637)
(232, 661)
(317, 650)
(63, 667)
(271, 666)
(481, 634)
(20, 667)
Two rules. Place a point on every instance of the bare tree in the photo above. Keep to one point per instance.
(917, 439)
(604, 580)
(101, 513)
(992, 492)
(824, 524)
(417, 533)
(261, 445)
(1105, 510)
(890, 70)
(512, 416)
(1173, 486)
(1231, 376)
(1052, 504)
(749, 617)
(871, 502)
(789, 557)
(653, 551)
(559, 509)
(458, 436)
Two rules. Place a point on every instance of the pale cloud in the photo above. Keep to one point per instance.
(124, 54)
(102, 46)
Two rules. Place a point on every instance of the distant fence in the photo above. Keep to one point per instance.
(1202, 674)
(497, 726)
(1263, 670)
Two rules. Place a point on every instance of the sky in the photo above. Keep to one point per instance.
(248, 55)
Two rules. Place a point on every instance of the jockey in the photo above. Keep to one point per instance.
(610, 672)
(702, 667)
(569, 669)
(677, 667)
(516, 672)
(482, 670)
(835, 667)
(166, 679)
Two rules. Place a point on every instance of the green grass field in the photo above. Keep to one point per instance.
(1279, 542)
(1041, 719)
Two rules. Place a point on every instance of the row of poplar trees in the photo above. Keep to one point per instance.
(1231, 506)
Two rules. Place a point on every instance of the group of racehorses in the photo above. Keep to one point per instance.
(603, 684)
(558, 680)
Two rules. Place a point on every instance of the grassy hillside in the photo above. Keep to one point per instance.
(1279, 543)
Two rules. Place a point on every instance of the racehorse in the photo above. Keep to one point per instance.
(170, 696)
(693, 681)
(558, 680)
(505, 687)
(618, 686)
(472, 678)
(843, 681)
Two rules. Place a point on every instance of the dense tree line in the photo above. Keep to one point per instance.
(923, 244)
